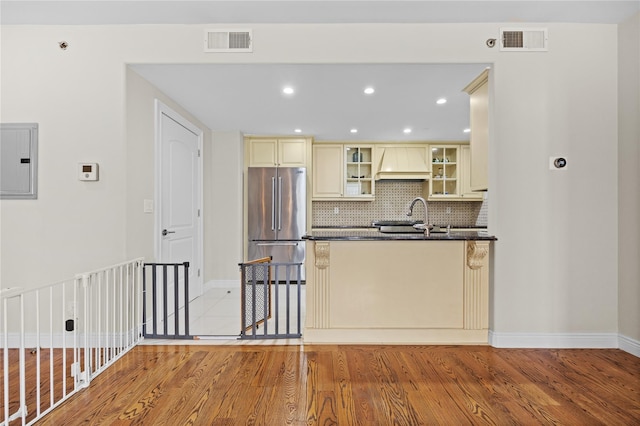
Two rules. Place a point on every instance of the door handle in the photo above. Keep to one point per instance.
(165, 232)
(279, 203)
(273, 203)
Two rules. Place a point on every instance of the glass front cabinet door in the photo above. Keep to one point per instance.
(359, 171)
(444, 183)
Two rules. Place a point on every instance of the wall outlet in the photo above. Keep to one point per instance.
(336, 210)
(448, 210)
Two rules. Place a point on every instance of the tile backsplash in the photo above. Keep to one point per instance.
(392, 202)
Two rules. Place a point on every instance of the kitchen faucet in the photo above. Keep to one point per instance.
(426, 214)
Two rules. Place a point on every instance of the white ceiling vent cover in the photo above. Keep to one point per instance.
(524, 39)
(228, 41)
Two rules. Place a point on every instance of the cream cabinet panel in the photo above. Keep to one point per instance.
(465, 176)
(328, 171)
(292, 152)
(478, 91)
(424, 292)
(277, 152)
(263, 152)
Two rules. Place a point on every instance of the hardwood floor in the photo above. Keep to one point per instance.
(359, 385)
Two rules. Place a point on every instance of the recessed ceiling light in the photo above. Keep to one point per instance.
(467, 130)
(288, 90)
(441, 101)
(298, 130)
(407, 130)
(369, 90)
(354, 130)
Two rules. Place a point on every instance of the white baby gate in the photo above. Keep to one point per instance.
(62, 335)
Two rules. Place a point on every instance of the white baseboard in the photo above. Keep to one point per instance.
(630, 345)
(66, 339)
(554, 340)
(221, 284)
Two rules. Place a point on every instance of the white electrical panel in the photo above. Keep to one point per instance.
(18, 161)
(88, 171)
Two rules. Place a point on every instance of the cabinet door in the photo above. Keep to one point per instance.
(359, 183)
(328, 171)
(292, 152)
(263, 152)
(479, 117)
(465, 175)
(444, 183)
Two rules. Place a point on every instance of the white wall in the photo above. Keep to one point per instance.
(550, 259)
(224, 214)
(222, 189)
(140, 164)
(629, 178)
(553, 273)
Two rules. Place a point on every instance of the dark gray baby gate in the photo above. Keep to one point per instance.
(271, 299)
(166, 301)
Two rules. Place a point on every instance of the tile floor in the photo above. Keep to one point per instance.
(217, 312)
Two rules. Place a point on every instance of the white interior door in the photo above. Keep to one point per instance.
(179, 224)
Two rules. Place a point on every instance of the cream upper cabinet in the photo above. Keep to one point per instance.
(478, 91)
(328, 170)
(450, 176)
(280, 152)
(465, 176)
(445, 172)
(359, 170)
(343, 172)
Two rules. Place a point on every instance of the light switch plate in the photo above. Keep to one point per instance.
(148, 206)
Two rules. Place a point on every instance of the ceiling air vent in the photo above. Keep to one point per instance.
(228, 41)
(523, 39)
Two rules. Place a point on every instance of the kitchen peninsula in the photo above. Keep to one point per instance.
(364, 286)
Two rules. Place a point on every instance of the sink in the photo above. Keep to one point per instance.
(410, 223)
(410, 229)
(399, 229)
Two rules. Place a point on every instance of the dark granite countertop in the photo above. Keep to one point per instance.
(372, 234)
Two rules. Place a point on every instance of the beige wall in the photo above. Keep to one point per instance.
(629, 177)
(552, 275)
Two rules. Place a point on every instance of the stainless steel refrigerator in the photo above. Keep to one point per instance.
(277, 200)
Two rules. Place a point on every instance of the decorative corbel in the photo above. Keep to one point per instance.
(322, 254)
(476, 254)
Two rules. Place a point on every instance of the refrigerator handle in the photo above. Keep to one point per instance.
(273, 203)
(279, 203)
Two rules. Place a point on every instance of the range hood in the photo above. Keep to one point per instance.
(408, 163)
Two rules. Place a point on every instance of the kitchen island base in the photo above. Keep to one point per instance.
(397, 292)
